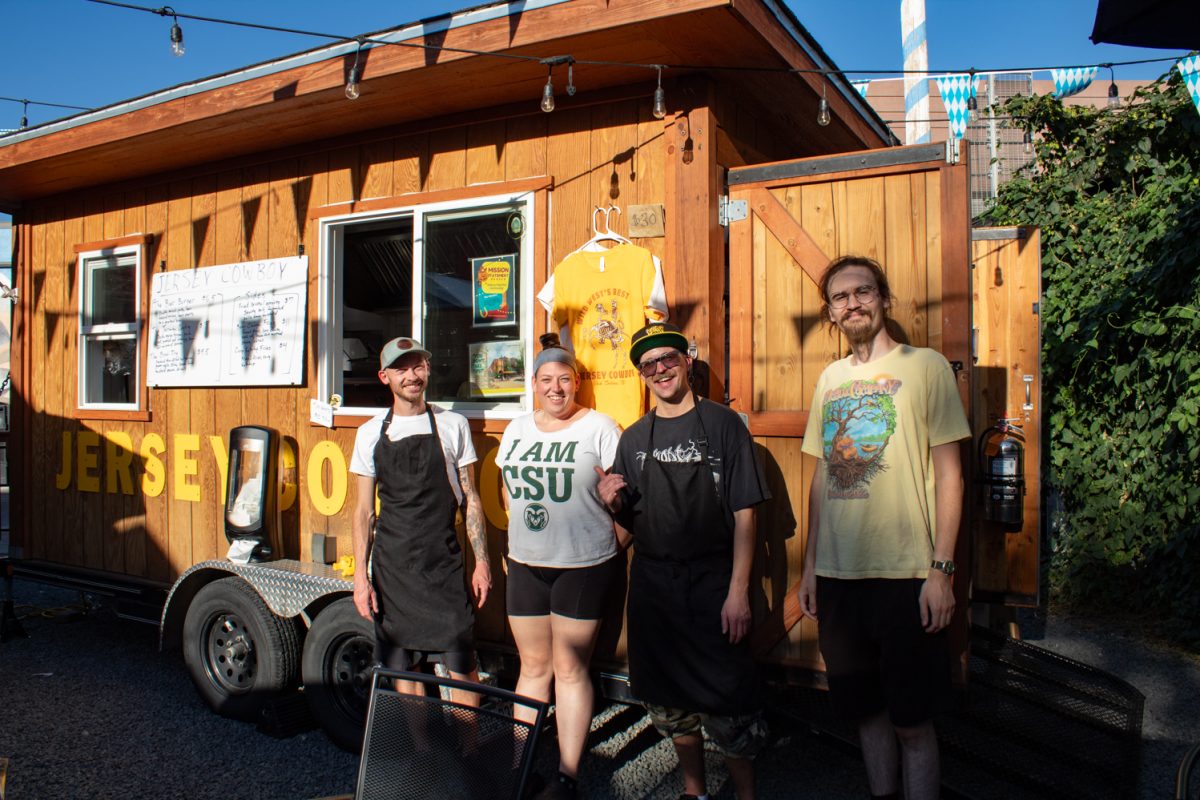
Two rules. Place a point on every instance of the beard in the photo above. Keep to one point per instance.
(862, 328)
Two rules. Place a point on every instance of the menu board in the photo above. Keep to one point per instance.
(231, 325)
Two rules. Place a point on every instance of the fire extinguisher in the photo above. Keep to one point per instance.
(1002, 470)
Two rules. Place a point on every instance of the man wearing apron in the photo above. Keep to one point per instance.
(685, 483)
(415, 589)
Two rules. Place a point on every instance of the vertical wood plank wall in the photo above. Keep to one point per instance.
(607, 153)
(1007, 287)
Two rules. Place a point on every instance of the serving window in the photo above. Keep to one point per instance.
(457, 276)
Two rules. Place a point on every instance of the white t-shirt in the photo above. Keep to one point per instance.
(452, 429)
(555, 517)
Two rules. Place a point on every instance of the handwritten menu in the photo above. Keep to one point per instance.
(231, 325)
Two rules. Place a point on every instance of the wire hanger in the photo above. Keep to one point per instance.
(606, 235)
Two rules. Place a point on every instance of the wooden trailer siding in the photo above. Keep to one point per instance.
(170, 517)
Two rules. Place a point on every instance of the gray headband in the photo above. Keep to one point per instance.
(554, 355)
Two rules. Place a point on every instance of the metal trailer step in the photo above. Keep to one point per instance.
(1029, 724)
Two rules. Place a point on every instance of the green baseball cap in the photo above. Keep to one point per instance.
(656, 334)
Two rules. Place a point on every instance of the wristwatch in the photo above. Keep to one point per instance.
(944, 566)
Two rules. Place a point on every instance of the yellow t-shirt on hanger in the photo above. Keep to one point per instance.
(598, 298)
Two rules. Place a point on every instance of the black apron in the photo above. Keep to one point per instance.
(679, 579)
(416, 560)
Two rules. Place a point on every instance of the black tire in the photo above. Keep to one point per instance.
(339, 653)
(240, 654)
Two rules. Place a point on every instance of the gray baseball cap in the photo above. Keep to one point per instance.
(400, 346)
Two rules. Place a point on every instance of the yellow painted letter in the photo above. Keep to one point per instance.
(490, 487)
(63, 479)
(287, 475)
(331, 503)
(87, 459)
(185, 466)
(154, 475)
(118, 458)
(217, 443)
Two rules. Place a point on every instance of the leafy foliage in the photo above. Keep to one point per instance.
(1117, 197)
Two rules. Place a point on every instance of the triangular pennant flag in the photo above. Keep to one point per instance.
(1072, 81)
(1189, 68)
(956, 91)
(862, 87)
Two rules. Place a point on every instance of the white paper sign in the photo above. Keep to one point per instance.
(231, 325)
(320, 413)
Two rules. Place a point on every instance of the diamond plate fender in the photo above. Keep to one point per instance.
(286, 586)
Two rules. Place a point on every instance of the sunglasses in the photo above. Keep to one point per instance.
(649, 367)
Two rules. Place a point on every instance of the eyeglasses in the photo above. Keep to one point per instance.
(649, 367)
(863, 294)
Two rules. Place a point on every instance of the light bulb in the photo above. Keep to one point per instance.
(660, 103)
(1114, 95)
(823, 112)
(548, 96)
(1028, 141)
(570, 79)
(352, 84)
(176, 39)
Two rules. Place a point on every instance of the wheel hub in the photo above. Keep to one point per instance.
(230, 657)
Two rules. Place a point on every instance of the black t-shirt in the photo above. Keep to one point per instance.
(739, 480)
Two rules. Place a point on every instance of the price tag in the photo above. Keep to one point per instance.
(646, 221)
(320, 413)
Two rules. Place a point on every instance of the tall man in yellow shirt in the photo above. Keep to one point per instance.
(884, 511)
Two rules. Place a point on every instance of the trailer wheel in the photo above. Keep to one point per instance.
(339, 653)
(237, 650)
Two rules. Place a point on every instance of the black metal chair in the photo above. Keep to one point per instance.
(425, 746)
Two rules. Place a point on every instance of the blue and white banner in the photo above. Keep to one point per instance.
(916, 62)
(956, 91)
(862, 87)
(1189, 68)
(1072, 81)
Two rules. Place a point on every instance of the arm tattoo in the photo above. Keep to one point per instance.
(476, 530)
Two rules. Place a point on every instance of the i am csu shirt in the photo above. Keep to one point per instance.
(555, 517)
(453, 430)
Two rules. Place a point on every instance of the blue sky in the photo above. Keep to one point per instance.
(80, 53)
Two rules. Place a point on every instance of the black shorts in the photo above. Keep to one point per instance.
(877, 655)
(406, 660)
(574, 592)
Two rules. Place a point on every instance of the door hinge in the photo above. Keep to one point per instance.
(731, 210)
(952, 153)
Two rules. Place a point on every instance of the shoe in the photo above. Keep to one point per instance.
(561, 787)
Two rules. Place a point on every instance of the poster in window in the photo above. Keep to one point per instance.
(493, 292)
(497, 368)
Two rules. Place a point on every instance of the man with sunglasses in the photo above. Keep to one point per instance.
(685, 482)
(883, 514)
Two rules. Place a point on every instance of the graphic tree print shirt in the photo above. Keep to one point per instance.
(874, 426)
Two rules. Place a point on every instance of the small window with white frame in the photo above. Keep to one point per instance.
(110, 324)
(457, 276)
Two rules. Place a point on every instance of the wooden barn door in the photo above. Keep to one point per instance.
(906, 207)
(1007, 293)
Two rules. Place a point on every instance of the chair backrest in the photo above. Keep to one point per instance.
(424, 746)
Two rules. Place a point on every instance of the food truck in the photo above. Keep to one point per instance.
(206, 275)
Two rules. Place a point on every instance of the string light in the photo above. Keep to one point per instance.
(1114, 94)
(548, 90)
(823, 107)
(352, 78)
(24, 114)
(972, 103)
(1027, 140)
(660, 99)
(176, 31)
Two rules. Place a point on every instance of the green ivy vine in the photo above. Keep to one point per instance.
(1117, 197)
